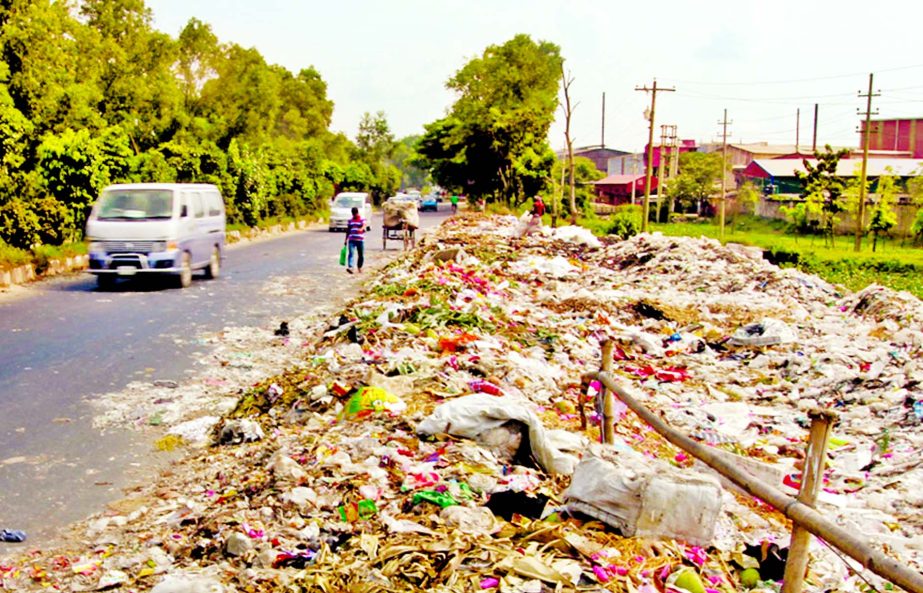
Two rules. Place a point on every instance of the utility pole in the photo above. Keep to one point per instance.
(661, 165)
(860, 214)
(674, 162)
(650, 149)
(602, 136)
(674, 154)
(724, 165)
(814, 142)
(797, 130)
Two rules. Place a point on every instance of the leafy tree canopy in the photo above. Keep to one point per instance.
(699, 174)
(493, 141)
(823, 189)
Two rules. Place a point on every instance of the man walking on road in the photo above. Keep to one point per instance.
(355, 241)
(454, 201)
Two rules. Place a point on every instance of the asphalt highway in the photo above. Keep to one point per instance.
(64, 342)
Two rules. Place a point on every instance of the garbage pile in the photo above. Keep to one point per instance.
(431, 437)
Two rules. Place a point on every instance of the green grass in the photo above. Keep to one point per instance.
(39, 257)
(11, 257)
(895, 263)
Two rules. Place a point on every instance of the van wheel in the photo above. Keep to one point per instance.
(214, 265)
(184, 279)
(105, 281)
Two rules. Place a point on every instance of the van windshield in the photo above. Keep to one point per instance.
(135, 204)
(349, 202)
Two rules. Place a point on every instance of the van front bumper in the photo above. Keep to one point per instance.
(129, 264)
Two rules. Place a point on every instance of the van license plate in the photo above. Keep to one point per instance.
(126, 270)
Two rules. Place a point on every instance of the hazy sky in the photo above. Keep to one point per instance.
(760, 60)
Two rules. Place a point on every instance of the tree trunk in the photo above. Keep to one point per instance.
(568, 111)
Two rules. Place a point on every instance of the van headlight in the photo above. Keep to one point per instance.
(96, 247)
(171, 246)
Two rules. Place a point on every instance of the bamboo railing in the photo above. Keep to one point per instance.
(806, 520)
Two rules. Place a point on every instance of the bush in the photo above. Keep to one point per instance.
(626, 222)
(288, 205)
(11, 257)
(53, 218)
(19, 224)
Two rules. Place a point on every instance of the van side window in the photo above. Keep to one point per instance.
(197, 207)
(214, 203)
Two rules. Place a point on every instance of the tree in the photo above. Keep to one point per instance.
(699, 174)
(75, 166)
(748, 197)
(566, 81)
(882, 216)
(15, 131)
(403, 158)
(243, 101)
(822, 189)
(48, 73)
(198, 54)
(374, 139)
(91, 94)
(487, 143)
(140, 91)
(585, 172)
(374, 147)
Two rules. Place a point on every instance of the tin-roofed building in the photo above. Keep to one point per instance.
(777, 176)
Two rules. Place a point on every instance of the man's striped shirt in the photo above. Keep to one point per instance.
(355, 229)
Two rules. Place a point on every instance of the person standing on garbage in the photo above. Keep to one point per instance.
(538, 210)
(355, 241)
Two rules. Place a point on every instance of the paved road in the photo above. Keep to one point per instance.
(63, 342)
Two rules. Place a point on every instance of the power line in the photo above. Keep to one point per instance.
(831, 77)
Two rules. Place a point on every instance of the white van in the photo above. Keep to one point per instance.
(341, 209)
(156, 228)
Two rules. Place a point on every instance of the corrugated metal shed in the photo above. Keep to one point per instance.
(618, 179)
(845, 168)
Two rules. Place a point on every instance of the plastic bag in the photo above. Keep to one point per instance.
(343, 256)
(371, 400)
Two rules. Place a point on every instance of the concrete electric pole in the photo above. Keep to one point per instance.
(650, 149)
(724, 165)
(860, 211)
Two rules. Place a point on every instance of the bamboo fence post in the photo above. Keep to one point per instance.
(811, 479)
(608, 398)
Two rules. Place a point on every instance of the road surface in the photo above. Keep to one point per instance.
(64, 342)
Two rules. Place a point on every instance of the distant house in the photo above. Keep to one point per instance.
(626, 164)
(684, 146)
(600, 155)
(622, 189)
(777, 176)
(896, 134)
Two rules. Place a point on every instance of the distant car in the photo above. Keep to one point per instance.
(403, 198)
(342, 205)
(429, 203)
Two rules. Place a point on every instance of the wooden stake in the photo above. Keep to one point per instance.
(608, 428)
(812, 476)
